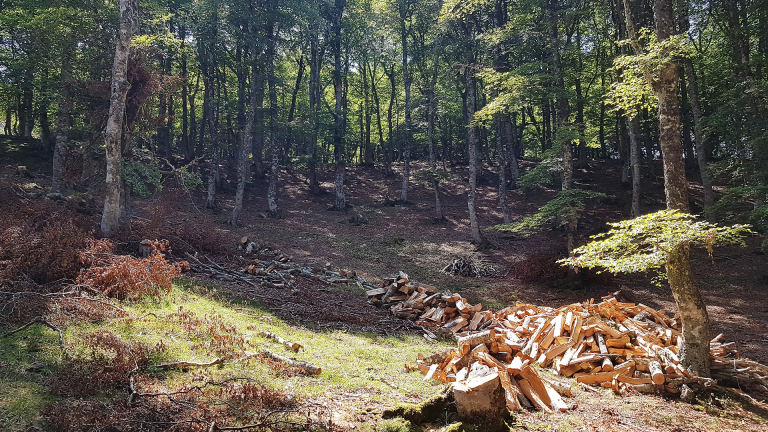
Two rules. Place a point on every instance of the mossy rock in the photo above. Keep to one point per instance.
(426, 411)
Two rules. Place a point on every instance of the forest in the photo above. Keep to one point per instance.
(280, 215)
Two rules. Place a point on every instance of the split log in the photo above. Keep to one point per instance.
(473, 340)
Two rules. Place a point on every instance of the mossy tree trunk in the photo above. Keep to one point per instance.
(693, 312)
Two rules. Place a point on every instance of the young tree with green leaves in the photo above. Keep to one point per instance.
(660, 242)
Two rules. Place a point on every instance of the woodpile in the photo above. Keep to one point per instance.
(622, 346)
(469, 266)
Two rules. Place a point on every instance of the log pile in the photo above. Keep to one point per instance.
(622, 346)
(272, 268)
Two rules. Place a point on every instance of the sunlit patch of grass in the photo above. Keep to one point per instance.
(26, 359)
(349, 360)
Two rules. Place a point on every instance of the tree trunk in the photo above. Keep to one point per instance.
(694, 354)
(315, 63)
(513, 135)
(563, 107)
(431, 128)
(292, 110)
(246, 135)
(113, 134)
(501, 156)
(698, 133)
(390, 157)
(581, 125)
(213, 173)
(63, 123)
(472, 148)
(407, 85)
(340, 203)
(634, 160)
(274, 141)
(257, 146)
(186, 145)
(375, 94)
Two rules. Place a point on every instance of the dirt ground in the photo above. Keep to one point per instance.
(398, 237)
(404, 237)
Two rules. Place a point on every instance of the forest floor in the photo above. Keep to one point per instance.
(378, 237)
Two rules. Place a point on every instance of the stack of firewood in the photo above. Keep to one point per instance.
(623, 346)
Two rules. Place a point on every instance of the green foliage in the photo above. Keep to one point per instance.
(566, 205)
(510, 87)
(644, 243)
(731, 207)
(142, 177)
(544, 173)
(429, 176)
(633, 92)
(189, 179)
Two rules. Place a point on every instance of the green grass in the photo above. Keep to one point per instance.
(368, 364)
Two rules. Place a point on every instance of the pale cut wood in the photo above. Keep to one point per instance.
(603, 377)
(557, 402)
(476, 339)
(532, 396)
(432, 370)
(657, 374)
(517, 364)
(563, 389)
(530, 375)
(511, 391)
(601, 343)
(633, 380)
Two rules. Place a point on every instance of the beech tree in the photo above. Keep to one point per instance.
(113, 135)
(660, 242)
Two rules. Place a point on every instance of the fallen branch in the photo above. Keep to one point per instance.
(183, 364)
(308, 367)
(40, 320)
(290, 345)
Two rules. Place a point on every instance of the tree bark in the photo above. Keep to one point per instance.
(246, 135)
(274, 141)
(340, 203)
(407, 84)
(693, 312)
(472, 149)
(514, 138)
(213, 173)
(390, 156)
(634, 160)
(501, 156)
(315, 63)
(665, 88)
(563, 107)
(694, 354)
(113, 134)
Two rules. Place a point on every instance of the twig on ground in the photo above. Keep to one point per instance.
(41, 320)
